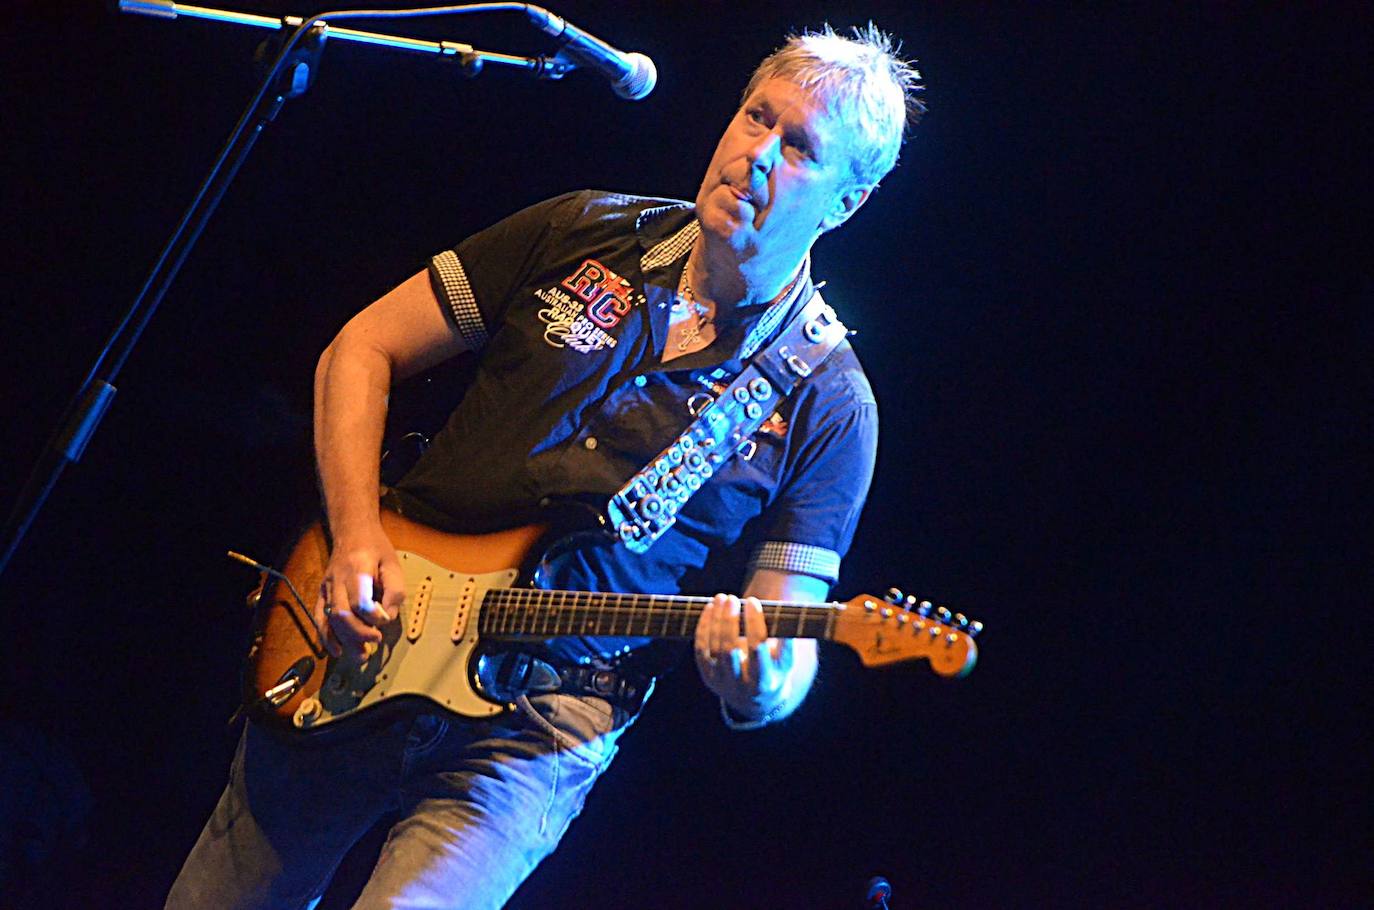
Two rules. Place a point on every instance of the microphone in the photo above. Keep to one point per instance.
(632, 76)
(878, 892)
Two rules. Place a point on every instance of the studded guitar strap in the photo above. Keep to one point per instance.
(648, 504)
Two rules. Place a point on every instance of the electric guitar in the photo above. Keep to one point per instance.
(462, 593)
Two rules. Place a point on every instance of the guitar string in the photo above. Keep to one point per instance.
(503, 604)
(574, 608)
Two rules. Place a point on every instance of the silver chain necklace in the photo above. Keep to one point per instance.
(700, 312)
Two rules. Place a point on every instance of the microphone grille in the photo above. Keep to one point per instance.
(641, 79)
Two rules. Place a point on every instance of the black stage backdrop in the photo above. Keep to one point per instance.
(1103, 301)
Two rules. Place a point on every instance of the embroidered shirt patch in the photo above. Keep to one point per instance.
(583, 319)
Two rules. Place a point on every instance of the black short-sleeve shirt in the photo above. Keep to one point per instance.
(567, 302)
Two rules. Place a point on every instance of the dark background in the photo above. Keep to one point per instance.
(1107, 302)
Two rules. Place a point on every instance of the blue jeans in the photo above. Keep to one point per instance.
(481, 803)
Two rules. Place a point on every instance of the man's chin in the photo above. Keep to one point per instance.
(725, 227)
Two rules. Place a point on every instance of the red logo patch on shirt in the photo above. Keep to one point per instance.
(606, 294)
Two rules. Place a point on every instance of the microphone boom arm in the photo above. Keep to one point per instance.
(472, 59)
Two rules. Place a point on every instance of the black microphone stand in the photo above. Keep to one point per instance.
(290, 73)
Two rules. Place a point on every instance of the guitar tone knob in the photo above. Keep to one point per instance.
(308, 712)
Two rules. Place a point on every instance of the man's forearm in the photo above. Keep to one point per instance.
(352, 384)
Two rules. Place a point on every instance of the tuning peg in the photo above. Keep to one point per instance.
(961, 620)
(924, 607)
(894, 595)
(974, 628)
(944, 614)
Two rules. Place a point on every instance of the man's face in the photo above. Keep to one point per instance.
(780, 175)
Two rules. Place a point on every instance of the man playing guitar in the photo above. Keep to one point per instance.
(603, 324)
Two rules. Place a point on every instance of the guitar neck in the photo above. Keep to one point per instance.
(525, 613)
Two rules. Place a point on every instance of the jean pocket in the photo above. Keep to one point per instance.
(583, 728)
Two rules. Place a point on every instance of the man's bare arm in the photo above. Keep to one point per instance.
(402, 333)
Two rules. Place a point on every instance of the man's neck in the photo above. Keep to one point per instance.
(718, 275)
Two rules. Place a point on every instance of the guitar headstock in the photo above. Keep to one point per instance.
(885, 630)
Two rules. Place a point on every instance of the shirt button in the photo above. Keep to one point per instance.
(590, 442)
(640, 381)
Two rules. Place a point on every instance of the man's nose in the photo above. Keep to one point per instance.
(763, 152)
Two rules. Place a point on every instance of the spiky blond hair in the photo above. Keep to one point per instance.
(862, 80)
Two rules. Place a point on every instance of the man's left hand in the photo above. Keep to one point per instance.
(747, 671)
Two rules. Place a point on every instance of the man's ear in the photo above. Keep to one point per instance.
(846, 204)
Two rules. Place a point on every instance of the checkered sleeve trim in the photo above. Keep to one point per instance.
(801, 558)
(458, 291)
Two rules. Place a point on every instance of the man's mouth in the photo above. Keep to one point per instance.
(743, 195)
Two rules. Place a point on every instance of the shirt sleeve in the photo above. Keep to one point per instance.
(809, 526)
(476, 280)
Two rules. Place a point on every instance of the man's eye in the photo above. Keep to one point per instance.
(754, 115)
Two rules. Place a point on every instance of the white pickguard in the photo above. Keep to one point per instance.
(426, 652)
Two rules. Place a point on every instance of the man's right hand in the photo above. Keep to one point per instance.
(362, 590)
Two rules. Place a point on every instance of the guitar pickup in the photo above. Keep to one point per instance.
(419, 608)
